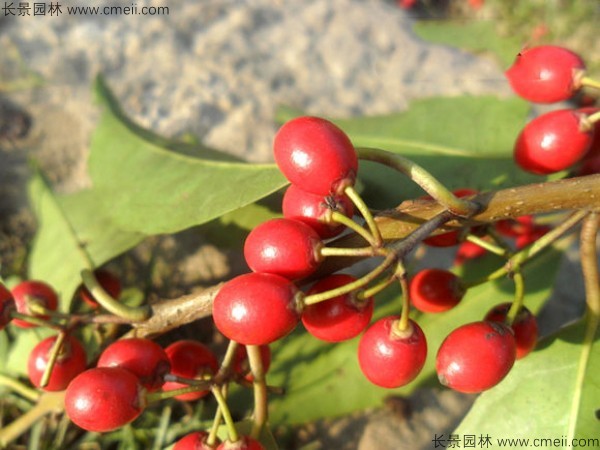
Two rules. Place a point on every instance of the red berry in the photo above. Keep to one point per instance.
(256, 308)
(315, 155)
(314, 209)
(467, 251)
(27, 293)
(283, 247)
(435, 290)
(7, 306)
(553, 142)
(476, 356)
(109, 282)
(193, 441)
(244, 443)
(546, 74)
(104, 399)
(391, 358)
(524, 327)
(144, 358)
(515, 227)
(340, 318)
(71, 362)
(531, 236)
(590, 164)
(241, 364)
(450, 238)
(193, 360)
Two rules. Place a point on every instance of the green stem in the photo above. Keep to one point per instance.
(19, 388)
(35, 320)
(232, 432)
(193, 386)
(351, 224)
(589, 264)
(400, 274)
(517, 304)
(589, 82)
(375, 289)
(48, 402)
(525, 254)
(352, 252)
(56, 349)
(593, 118)
(423, 178)
(489, 246)
(260, 390)
(138, 314)
(227, 362)
(366, 213)
(211, 440)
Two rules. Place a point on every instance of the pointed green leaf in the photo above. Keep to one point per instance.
(150, 187)
(552, 393)
(324, 380)
(65, 223)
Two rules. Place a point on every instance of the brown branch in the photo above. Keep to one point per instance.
(563, 195)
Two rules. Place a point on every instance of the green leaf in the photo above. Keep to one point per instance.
(552, 393)
(476, 35)
(324, 380)
(22, 343)
(150, 187)
(65, 223)
(463, 141)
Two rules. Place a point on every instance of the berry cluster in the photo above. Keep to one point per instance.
(262, 306)
(563, 138)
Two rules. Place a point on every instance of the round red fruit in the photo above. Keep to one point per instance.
(315, 155)
(435, 290)
(256, 308)
(391, 358)
(144, 358)
(104, 399)
(71, 361)
(476, 356)
(7, 306)
(553, 142)
(524, 327)
(285, 247)
(314, 210)
(546, 74)
(340, 318)
(28, 293)
(193, 360)
(244, 443)
(109, 282)
(193, 441)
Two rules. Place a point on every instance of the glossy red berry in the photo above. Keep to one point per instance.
(244, 443)
(256, 308)
(193, 441)
(590, 164)
(144, 358)
(109, 282)
(450, 238)
(32, 292)
(476, 356)
(193, 360)
(391, 358)
(467, 251)
(241, 364)
(71, 362)
(314, 210)
(546, 74)
(7, 306)
(104, 399)
(435, 290)
(340, 318)
(513, 228)
(315, 155)
(285, 247)
(524, 327)
(553, 142)
(531, 236)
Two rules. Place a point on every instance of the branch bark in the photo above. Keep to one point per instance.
(582, 193)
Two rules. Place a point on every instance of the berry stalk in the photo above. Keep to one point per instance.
(260, 390)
